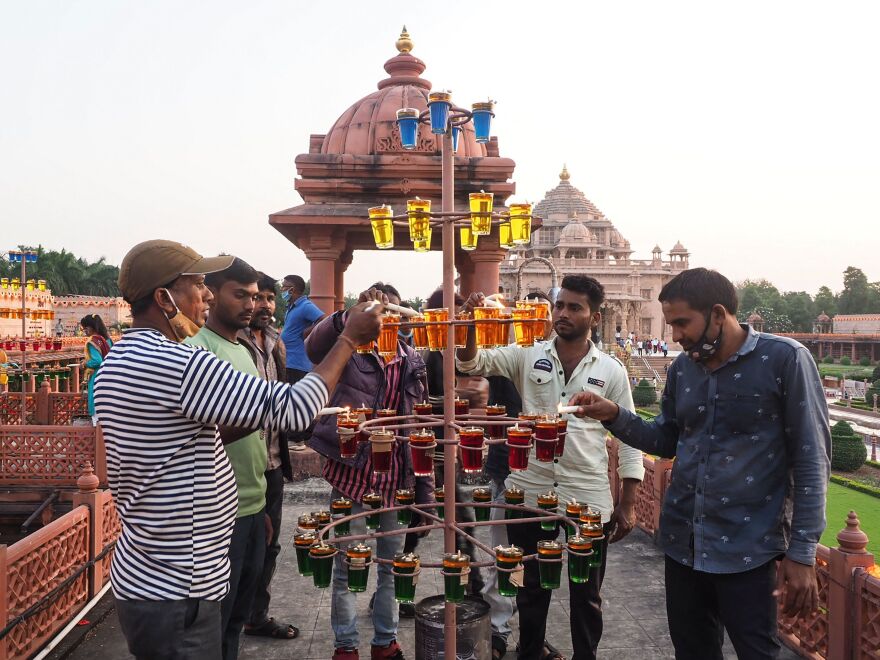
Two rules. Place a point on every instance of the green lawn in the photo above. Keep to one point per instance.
(853, 372)
(840, 502)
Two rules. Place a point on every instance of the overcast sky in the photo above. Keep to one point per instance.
(748, 130)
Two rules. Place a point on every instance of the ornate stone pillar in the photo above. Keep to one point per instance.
(323, 250)
(465, 268)
(486, 259)
(339, 280)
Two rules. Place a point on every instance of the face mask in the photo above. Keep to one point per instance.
(285, 295)
(181, 325)
(704, 349)
(404, 335)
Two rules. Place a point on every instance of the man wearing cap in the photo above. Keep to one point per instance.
(159, 404)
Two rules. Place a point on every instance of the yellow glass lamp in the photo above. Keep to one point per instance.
(481, 213)
(505, 235)
(468, 239)
(418, 212)
(521, 223)
(383, 227)
(423, 245)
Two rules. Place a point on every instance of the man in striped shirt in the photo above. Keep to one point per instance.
(159, 404)
(396, 383)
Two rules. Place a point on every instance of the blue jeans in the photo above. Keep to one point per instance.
(343, 604)
(501, 608)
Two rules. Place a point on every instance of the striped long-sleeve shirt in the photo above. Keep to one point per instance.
(159, 404)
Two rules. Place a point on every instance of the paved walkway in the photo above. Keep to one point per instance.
(634, 609)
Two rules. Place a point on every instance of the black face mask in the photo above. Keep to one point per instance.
(704, 349)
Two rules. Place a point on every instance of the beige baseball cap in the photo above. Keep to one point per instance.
(152, 264)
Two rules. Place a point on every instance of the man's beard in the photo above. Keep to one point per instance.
(260, 321)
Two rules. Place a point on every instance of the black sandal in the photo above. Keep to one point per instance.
(499, 648)
(551, 652)
(271, 628)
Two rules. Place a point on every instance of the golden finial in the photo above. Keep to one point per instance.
(404, 43)
(564, 175)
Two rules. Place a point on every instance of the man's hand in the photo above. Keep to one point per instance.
(372, 294)
(362, 326)
(801, 588)
(593, 405)
(476, 299)
(623, 520)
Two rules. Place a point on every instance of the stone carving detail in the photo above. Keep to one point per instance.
(811, 632)
(10, 408)
(64, 406)
(40, 454)
(393, 144)
(111, 527)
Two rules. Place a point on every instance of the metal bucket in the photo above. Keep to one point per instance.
(473, 632)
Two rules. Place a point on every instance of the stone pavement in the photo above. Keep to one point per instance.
(634, 608)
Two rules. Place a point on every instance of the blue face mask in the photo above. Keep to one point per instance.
(285, 295)
(404, 335)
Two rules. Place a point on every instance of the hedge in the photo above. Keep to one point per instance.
(867, 489)
(644, 394)
(848, 451)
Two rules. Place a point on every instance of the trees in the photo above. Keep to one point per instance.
(800, 309)
(67, 274)
(825, 301)
(857, 297)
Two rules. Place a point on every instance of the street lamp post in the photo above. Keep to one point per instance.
(23, 257)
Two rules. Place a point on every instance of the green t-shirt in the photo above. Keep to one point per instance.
(248, 454)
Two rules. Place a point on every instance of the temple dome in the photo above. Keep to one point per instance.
(678, 248)
(567, 200)
(823, 318)
(575, 232)
(369, 126)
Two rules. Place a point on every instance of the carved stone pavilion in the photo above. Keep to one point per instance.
(360, 163)
(576, 237)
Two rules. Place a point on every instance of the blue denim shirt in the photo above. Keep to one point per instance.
(752, 448)
(300, 315)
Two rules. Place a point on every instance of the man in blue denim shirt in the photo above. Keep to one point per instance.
(745, 417)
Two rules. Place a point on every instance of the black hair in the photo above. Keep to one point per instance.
(238, 271)
(96, 323)
(296, 282)
(387, 289)
(701, 289)
(435, 300)
(265, 283)
(141, 305)
(589, 286)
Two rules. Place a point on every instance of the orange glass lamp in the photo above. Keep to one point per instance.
(481, 213)
(383, 228)
(468, 239)
(418, 213)
(521, 223)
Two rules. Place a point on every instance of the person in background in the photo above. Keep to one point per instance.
(96, 349)
(267, 352)
(302, 315)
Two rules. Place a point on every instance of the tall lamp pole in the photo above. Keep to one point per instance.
(23, 257)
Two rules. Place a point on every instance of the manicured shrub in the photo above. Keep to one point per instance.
(845, 361)
(869, 395)
(848, 451)
(828, 359)
(875, 376)
(644, 394)
(865, 361)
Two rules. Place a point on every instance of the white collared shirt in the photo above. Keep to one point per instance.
(581, 473)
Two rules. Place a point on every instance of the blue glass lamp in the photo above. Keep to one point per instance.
(15, 256)
(31, 257)
(456, 134)
(439, 104)
(482, 118)
(408, 124)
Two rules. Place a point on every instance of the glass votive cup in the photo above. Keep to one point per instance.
(462, 406)
(495, 430)
(435, 320)
(580, 550)
(381, 444)
(340, 508)
(516, 496)
(372, 501)
(486, 326)
(502, 329)
(549, 564)
(438, 107)
(481, 213)
(307, 523)
(507, 559)
(505, 235)
(388, 334)
(523, 328)
(461, 331)
(420, 332)
(423, 408)
(348, 442)
(358, 557)
(323, 517)
(456, 568)
(482, 496)
(421, 446)
(470, 443)
(363, 349)
(406, 575)
(521, 223)
(590, 516)
(561, 430)
(418, 213)
(468, 239)
(404, 497)
(519, 444)
(596, 536)
(548, 502)
(302, 541)
(386, 412)
(573, 513)
(546, 437)
(440, 498)
(383, 227)
(321, 559)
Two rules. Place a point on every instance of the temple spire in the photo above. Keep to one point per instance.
(564, 175)
(404, 43)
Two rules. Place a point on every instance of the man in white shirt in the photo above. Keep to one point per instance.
(545, 375)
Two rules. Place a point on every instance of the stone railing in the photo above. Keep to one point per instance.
(43, 407)
(847, 623)
(48, 576)
(49, 455)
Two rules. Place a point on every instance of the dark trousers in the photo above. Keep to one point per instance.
(533, 602)
(247, 550)
(263, 594)
(171, 629)
(701, 605)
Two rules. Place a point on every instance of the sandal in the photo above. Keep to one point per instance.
(551, 653)
(499, 648)
(271, 628)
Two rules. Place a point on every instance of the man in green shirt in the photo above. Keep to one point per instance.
(235, 290)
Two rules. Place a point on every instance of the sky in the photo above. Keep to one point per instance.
(749, 131)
